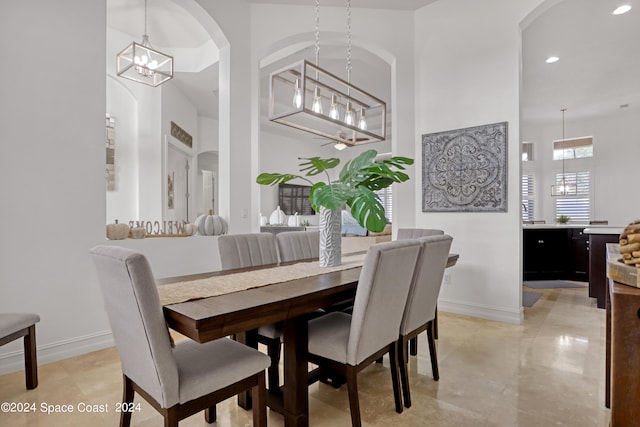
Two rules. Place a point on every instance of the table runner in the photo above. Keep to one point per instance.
(235, 282)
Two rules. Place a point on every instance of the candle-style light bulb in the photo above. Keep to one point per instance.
(349, 115)
(317, 101)
(334, 111)
(362, 124)
(297, 95)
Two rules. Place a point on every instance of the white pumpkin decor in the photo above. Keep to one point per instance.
(189, 229)
(117, 231)
(278, 217)
(294, 220)
(210, 224)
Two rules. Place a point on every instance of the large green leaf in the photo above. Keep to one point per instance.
(316, 165)
(367, 209)
(314, 187)
(276, 178)
(398, 161)
(333, 196)
(353, 171)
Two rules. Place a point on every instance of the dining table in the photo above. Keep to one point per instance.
(241, 312)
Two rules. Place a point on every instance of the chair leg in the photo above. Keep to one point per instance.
(30, 359)
(210, 414)
(404, 374)
(354, 403)
(393, 358)
(259, 398)
(273, 350)
(432, 352)
(413, 346)
(127, 397)
(171, 418)
(435, 324)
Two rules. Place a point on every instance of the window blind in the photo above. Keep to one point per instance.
(578, 207)
(386, 197)
(528, 202)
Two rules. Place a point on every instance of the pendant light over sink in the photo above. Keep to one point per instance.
(561, 187)
(307, 97)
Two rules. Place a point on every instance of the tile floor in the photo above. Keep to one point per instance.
(547, 372)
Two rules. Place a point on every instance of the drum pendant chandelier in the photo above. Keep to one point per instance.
(307, 97)
(143, 64)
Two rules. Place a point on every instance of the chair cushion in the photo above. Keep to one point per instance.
(329, 335)
(204, 368)
(13, 322)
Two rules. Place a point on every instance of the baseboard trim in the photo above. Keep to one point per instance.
(482, 311)
(14, 361)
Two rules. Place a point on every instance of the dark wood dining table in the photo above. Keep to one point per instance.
(241, 313)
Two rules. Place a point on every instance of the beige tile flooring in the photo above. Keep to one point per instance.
(547, 372)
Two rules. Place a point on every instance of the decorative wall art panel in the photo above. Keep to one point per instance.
(465, 170)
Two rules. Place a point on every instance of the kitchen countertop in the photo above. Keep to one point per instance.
(556, 225)
(605, 229)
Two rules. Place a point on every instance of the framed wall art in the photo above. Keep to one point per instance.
(465, 170)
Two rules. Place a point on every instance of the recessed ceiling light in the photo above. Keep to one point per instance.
(622, 9)
(552, 59)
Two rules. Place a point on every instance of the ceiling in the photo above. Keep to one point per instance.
(597, 72)
(599, 66)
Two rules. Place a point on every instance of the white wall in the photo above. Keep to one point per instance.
(55, 122)
(178, 109)
(122, 202)
(467, 74)
(615, 149)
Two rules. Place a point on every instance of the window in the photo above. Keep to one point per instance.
(528, 202)
(578, 207)
(527, 151)
(295, 198)
(387, 201)
(574, 148)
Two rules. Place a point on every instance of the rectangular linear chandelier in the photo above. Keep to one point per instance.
(306, 97)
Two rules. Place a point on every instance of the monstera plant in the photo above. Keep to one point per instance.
(355, 187)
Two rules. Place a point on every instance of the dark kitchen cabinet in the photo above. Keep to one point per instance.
(555, 253)
(580, 248)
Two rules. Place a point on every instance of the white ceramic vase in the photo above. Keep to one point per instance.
(330, 237)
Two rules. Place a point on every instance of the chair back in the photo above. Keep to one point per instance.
(297, 245)
(381, 296)
(423, 294)
(247, 250)
(416, 233)
(138, 325)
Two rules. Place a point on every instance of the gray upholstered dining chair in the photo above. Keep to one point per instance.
(346, 343)
(420, 310)
(298, 245)
(247, 250)
(250, 250)
(177, 381)
(292, 246)
(415, 233)
(18, 325)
